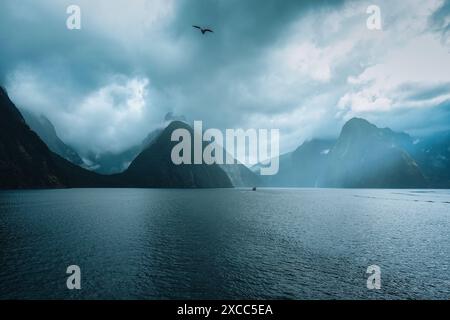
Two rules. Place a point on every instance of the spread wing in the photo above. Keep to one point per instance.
(197, 27)
(209, 30)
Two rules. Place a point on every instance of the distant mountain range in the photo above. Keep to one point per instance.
(27, 162)
(302, 167)
(363, 156)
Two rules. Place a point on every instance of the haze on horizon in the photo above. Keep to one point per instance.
(304, 67)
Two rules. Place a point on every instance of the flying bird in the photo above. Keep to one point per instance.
(203, 30)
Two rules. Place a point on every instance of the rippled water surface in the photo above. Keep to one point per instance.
(224, 244)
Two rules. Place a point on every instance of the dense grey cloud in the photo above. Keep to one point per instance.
(440, 21)
(304, 67)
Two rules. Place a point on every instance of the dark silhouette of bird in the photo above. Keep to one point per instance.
(203, 30)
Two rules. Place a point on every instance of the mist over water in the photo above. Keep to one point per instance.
(224, 244)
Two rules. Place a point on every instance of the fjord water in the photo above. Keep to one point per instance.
(224, 244)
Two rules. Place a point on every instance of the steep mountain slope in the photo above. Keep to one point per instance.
(113, 163)
(365, 156)
(433, 156)
(27, 162)
(47, 132)
(312, 158)
(241, 176)
(154, 167)
(303, 167)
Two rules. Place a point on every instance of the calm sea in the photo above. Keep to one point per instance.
(224, 244)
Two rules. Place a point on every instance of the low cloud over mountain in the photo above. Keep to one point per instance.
(106, 86)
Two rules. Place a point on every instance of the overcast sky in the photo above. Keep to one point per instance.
(304, 67)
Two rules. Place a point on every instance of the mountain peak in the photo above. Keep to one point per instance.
(177, 124)
(357, 123)
(153, 167)
(368, 156)
(358, 127)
